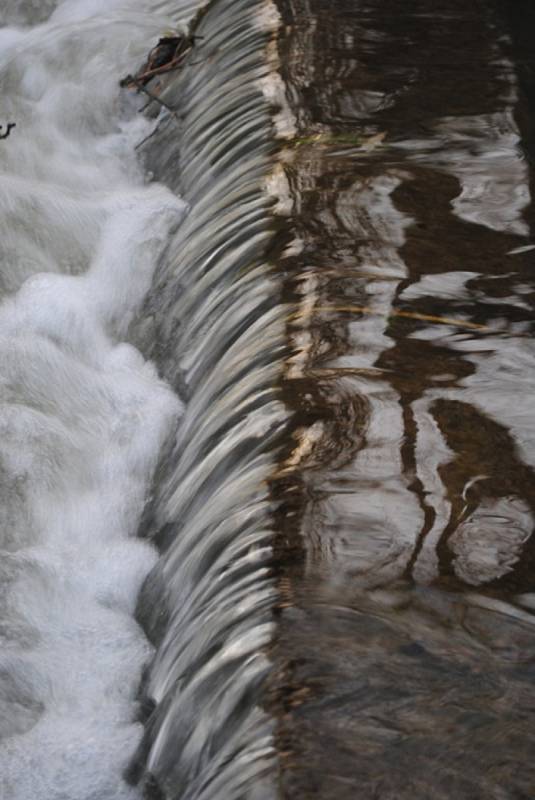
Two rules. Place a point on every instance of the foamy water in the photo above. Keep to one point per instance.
(82, 415)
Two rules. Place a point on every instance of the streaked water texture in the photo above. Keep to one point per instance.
(216, 325)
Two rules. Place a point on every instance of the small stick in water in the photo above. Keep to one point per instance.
(10, 126)
(130, 79)
(156, 130)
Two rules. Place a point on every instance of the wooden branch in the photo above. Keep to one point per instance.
(174, 64)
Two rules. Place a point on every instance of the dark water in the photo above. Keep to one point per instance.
(405, 659)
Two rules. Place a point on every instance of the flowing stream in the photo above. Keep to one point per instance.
(266, 428)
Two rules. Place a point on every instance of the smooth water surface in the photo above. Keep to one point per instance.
(405, 660)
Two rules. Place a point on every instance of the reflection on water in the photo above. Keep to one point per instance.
(406, 557)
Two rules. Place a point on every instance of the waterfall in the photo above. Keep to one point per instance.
(214, 324)
(142, 331)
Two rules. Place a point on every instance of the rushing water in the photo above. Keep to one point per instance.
(83, 415)
(99, 444)
(215, 326)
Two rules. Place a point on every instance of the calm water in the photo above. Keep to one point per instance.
(404, 665)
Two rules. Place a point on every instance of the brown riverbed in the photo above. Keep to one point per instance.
(405, 659)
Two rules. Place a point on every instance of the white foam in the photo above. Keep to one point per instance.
(82, 415)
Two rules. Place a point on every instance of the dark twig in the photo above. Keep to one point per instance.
(154, 66)
(172, 65)
(9, 128)
(130, 79)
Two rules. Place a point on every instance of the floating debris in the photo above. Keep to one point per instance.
(168, 55)
(9, 128)
(393, 313)
(366, 143)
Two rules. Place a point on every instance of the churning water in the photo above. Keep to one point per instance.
(82, 415)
